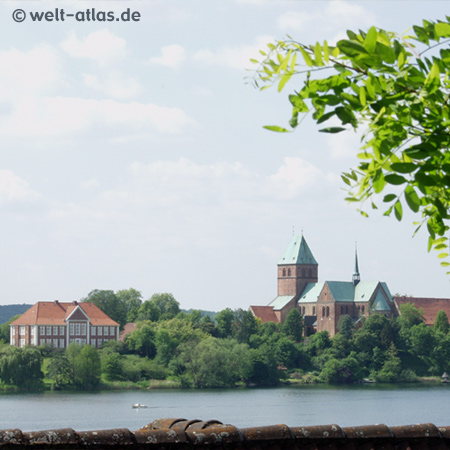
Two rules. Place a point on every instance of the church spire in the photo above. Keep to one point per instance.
(356, 277)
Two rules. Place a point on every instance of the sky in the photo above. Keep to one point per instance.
(133, 154)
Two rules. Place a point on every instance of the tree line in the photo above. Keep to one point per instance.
(190, 349)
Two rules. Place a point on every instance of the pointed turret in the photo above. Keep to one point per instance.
(356, 277)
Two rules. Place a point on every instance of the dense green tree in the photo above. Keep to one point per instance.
(410, 315)
(293, 325)
(109, 303)
(148, 311)
(142, 340)
(441, 322)
(244, 325)
(88, 368)
(165, 347)
(346, 326)
(132, 300)
(225, 320)
(112, 366)
(286, 353)
(167, 305)
(422, 340)
(395, 88)
(391, 370)
(319, 342)
(218, 362)
(21, 367)
(4, 329)
(59, 370)
(265, 367)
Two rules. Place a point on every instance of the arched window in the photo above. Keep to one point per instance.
(323, 311)
(328, 311)
(314, 310)
(284, 272)
(289, 272)
(346, 309)
(362, 309)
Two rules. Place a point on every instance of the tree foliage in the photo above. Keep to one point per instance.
(395, 88)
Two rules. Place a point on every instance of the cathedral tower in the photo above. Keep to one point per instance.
(296, 268)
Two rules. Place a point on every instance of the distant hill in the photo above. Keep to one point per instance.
(8, 311)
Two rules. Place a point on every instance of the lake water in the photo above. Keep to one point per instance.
(293, 406)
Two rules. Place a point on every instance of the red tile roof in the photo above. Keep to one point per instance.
(127, 329)
(430, 306)
(55, 313)
(265, 313)
(182, 434)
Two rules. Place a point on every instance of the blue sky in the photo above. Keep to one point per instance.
(133, 155)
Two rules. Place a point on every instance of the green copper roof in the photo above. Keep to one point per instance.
(297, 252)
(281, 301)
(311, 293)
(346, 291)
(379, 303)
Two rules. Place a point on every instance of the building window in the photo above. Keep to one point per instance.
(93, 343)
(55, 331)
(328, 311)
(42, 331)
(106, 333)
(310, 273)
(33, 340)
(314, 310)
(289, 272)
(111, 331)
(83, 329)
(13, 331)
(99, 331)
(323, 311)
(362, 309)
(71, 329)
(61, 331)
(22, 342)
(346, 309)
(77, 329)
(55, 343)
(61, 343)
(32, 331)
(49, 330)
(284, 272)
(342, 309)
(21, 329)
(49, 341)
(100, 342)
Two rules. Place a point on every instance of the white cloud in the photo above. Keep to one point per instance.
(115, 85)
(331, 14)
(13, 188)
(90, 184)
(29, 73)
(101, 46)
(234, 57)
(59, 116)
(172, 56)
(297, 175)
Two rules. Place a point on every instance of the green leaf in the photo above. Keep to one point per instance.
(284, 79)
(389, 197)
(306, 57)
(394, 179)
(332, 130)
(276, 128)
(442, 29)
(370, 40)
(403, 167)
(351, 48)
(318, 54)
(412, 199)
(398, 210)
